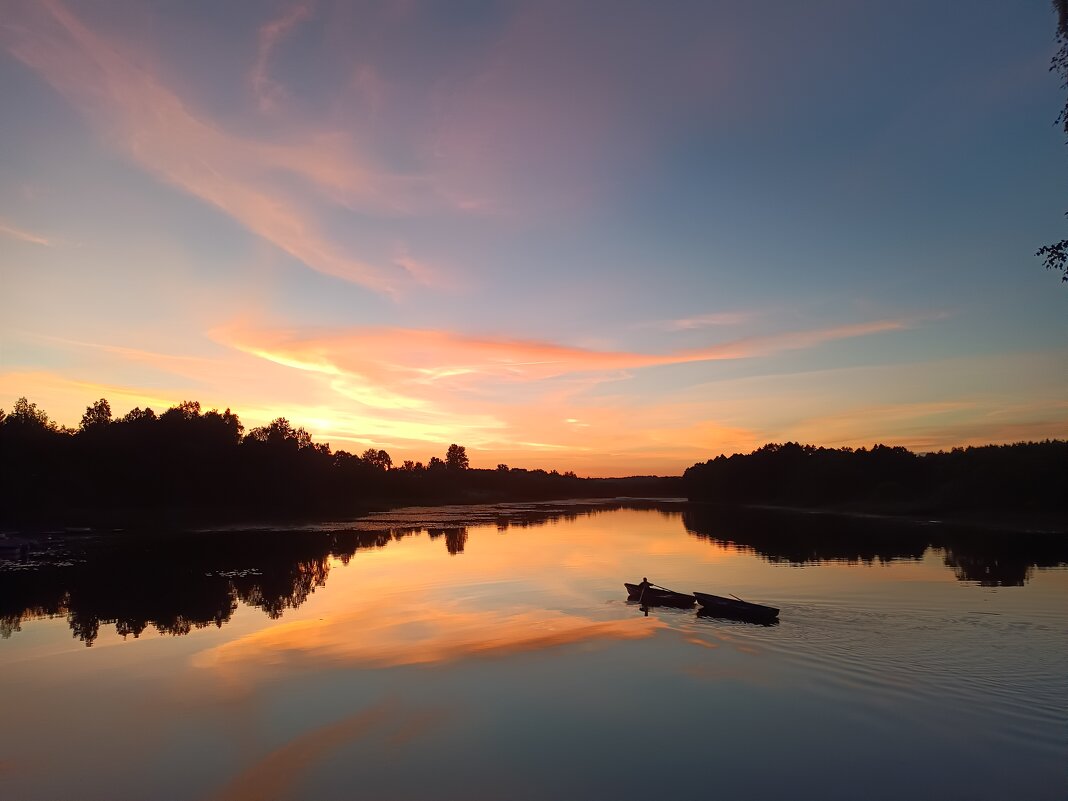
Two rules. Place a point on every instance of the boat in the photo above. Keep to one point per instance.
(735, 608)
(659, 596)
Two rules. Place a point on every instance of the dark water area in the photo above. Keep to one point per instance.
(490, 651)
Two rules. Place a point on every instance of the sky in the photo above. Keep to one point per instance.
(610, 237)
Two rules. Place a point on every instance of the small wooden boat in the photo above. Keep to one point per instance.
(735, 608)
(659, 596)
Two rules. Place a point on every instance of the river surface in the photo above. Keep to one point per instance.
(490, 653)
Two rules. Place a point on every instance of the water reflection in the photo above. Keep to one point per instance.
(989, 557)
(175, 583)
(523, 644)
(275, 774)
(393, 632)
(456, 538)
(714, 615)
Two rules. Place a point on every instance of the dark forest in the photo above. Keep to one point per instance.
(1017, 483)
(186, 465)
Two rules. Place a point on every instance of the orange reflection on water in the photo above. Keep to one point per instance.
(398, 633)
(274, 775)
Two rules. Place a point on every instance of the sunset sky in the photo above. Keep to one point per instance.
(613, 237)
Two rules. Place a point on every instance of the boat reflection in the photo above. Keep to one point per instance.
(717, 614)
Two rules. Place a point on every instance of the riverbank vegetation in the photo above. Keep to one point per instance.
(189, 465)
(1022, 482)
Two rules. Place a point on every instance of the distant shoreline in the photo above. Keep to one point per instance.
(1020, 523)
(199, 521)
(192, 519)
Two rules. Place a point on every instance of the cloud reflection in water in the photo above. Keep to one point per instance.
(392, 634)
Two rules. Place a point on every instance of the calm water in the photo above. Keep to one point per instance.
(490, 653)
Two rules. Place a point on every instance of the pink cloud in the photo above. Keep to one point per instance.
(567, 100)
(271, 33)
(708, 321)
(21, 234)
(417, 356)
(244, 177)
(369, 84)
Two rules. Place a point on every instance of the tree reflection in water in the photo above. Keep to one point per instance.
(177, 582)
(455, 538)
(992, 558)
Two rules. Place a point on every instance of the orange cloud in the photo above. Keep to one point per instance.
(532, 404)
(64, 399)
(935, 425)
(407, 356)
(510, 397)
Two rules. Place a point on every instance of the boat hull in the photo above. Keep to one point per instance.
(718, 606)
(655, 597)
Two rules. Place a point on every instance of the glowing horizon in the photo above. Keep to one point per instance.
(614, 249)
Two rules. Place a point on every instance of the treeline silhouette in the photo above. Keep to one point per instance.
(1027, 480)
(187, 464)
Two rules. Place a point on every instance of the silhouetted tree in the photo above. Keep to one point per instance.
(27, 416)
(1059, 63)
(456, 458)
(1025, 477)
(137, 415)
(280, 432)
(97, 415)
(186, 410)
(228, 424)
(377, 458)
(1055, 256)
(189, 464)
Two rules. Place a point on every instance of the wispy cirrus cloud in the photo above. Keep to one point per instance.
(405, 356)
(249, 179)
(22, 235)
(707, 321)
(271, 33)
